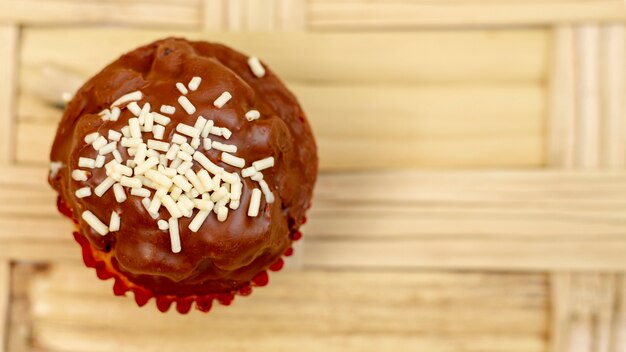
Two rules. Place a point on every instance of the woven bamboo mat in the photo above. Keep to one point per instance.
(496, 127)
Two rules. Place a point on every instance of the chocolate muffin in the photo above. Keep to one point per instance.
(187, 168)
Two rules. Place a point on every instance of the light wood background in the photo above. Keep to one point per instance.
(496, 127)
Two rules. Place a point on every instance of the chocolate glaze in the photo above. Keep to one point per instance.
(221, 256)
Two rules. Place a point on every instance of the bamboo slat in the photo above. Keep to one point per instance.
(613, 99)
(305, 311)
(562, 99)
(5, 295)
(382, 14)
(502, 220)
(8, 85)
(503, 127)
(155, 14)
(588, 97)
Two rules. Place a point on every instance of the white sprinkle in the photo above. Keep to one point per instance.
(171, 153)
(131, 142)
(146, 204)
(100, 159)
(131, 152)
(226, 132)
(140, 155)
(263, 163)
(222, 214)
(140, 192)
(114, 224)
(174, 235)
(222, 99)
(200, 123)
(152, 153)
(90, 138)
(114, 135)
(232, 160)
(253, 115)
(187, 130)
(95, 223)
(159, 178)
(216, 131)
(79, 175)
(123, 170)
(249, 171)
(158, 131)
(234, 204)
(187, 203)
(104, 186)
(104, 114)
(194, 83)
(257, 176)
(86, 162)
(136, 95)
(135, 130)
(181, 88)
(176, 163)
(160, 119)
(178, 139)
(207, 129)
(163, 160)
(144, 113)
(120, 195)
(176, 192)
(186, 104)
(195, 143)
(205, 179)
(109, 166)
(235, 191)
(158, 145)
(206, 143)
(131, 163)
(131, 182)
(155, 204)
(116, 177)
(171, 207)
(219, 194)
(193, 193)
(195, 181)
(134, 108)
(184, 156)
(220, 204)
(126, 131)
(167, 109)
(146, 165)
(117, 156)
(217, 180)
(99, 143)
(83, 192)
(184, 167)
(255, 203)
(230, 178)
(66, 97)
(187, 148)
(230, 148)
(115, 114)
(198, 220)
(169, 172)
(256, 67)
(203, 204)
(163, 225)
(269, 196)
(182, 182)
(148, 123)
(207, 164)
(109, 148)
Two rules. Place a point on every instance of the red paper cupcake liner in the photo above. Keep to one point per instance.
(105, 270)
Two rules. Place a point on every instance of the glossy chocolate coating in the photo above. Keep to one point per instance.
(221, 256)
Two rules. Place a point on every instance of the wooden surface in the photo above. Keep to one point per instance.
(496, 126)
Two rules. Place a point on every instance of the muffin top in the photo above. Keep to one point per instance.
(188, 162)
